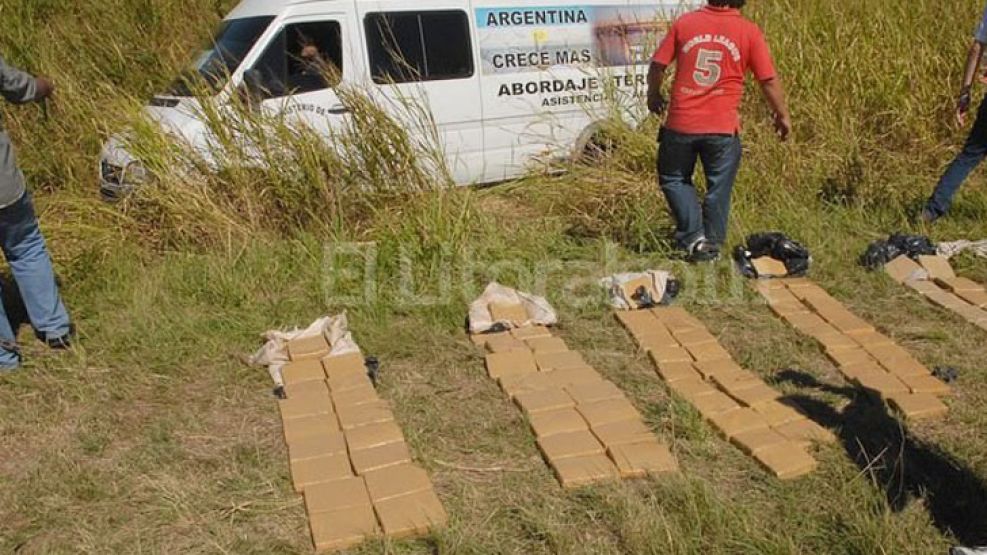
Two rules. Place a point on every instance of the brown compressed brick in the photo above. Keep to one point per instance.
(787, 461)
(319, 470)
(514, 313)
(676, 318)
(711, 368)
(481, 339)
(411, 515)
(737, 379)
(797, 282)
(677, 371)
(767, 266)
(305, 406)
(314, 446)
(518, 383)
(355, 416)
(638, 320)
(805, 433)
(871, 340)
(691, 389)
(970, 313)
(918, 406)
(508, 363)
(547, 345)
(713, 404)
(605, 412)
(299, 428)
(825, 305)
(850, 324)
(306, 388)
(853, 371)
(766, 286)
(530, 332)
(903, 269)
(692, 337)
(339, 530)
(887, 351)
(547, 362)
(755, 441)
(778, 413)
(669, 354)
(937, 266)
(573, 376)
(504, 343)
(632, 430)
(346, 382)
(593, 392)
(373, 435)
(708, 352)
(344, 365)
(905, 367)
(653, 341)
(958, 284)
(779, 295)
(738, 421)
(302, 371)
(808, 323)
(881, 383)
(337, 495)
(305, 348)
(808, 289)
(836, 341)
(636, 460)
(569, 444)
(944, 298)
(850, 357)
(554, 422)
(926, 384)
(357, 396)
(757, 394)
(575, 472)
(396, 481)
(382, 457)
(532, 402)
(977, 298)
(788, 309)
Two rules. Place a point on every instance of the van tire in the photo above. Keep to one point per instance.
(594, 144)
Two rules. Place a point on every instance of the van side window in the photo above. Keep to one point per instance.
(419, 46)
(304, 57)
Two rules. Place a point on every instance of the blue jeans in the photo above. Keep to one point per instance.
(677, 157)
(25, 250)
(973, 153)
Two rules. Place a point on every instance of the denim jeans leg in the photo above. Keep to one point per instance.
(973, 153)
(677, 158)
(8, 357)
(27, 254)
(721, 161)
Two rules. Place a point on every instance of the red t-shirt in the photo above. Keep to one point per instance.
(713, 49)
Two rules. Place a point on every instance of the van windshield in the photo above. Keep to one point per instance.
(212, 67)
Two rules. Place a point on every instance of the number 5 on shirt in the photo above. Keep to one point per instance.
(708, 69)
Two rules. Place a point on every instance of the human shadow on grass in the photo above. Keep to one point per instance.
(902, 465)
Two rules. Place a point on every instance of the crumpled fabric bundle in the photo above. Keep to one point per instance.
(954, 248)
(274, 353)
(661, 287)
(793, 254)
(539, 311)
(880, 253)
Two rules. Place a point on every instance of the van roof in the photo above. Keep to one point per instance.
(253, 8)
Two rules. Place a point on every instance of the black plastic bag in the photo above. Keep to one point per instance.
(796, 257)
(880, 253)
(672, 289)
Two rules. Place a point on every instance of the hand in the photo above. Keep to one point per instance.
(963, 106)
(43, 89)
(783, 126)
(656, 104)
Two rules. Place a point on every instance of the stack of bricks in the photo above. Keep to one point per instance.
(748, 412)
(933, 277)
(587, 430)
(864, 356)
(347, 455)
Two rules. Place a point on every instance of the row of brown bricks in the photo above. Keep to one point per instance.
(736, 402)
(934, 278)
(349, 457)
(866, 357)
(586, 428)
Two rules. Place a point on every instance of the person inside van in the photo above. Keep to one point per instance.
(975, 149)
(713, 49)
(21, 239)
(311, 70)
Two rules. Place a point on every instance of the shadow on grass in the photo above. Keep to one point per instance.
(901, 464)
(13, 304)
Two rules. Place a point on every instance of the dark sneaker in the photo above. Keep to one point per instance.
(704, 251)
(61, 343)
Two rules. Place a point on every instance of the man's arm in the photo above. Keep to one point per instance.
(775, 96)
(19, 87)
(656, 77)
(972, 65)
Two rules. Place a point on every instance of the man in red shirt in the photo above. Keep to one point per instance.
(713, 49)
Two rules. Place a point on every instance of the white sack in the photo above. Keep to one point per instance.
(540, 313)
(274, 353)
(615, 287)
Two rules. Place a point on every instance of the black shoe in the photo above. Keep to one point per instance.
(61, 343)
(928, 216)
(704, 251)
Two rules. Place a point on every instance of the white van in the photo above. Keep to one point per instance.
(506, 80)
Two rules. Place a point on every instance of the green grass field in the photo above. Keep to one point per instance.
(154, 436)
